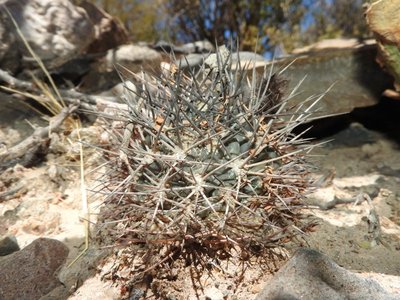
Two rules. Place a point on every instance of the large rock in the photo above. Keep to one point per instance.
(32, 272)
(198, 47)
(9, 57)
(109, 33)
(132, 57)
(358, 81)
(348, 65)
(311, 275)
(55, 29)
(103, 75)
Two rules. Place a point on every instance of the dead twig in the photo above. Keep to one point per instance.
(16, 152)
(17, 86)
(15, 82)
(19, 188)
(374, 224)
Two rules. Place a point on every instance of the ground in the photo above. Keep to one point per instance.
(353, 162)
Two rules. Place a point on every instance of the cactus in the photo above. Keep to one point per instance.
(207, 166)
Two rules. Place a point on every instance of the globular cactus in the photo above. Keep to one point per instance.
(207, 166)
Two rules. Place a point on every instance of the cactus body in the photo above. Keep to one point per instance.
(210, 165)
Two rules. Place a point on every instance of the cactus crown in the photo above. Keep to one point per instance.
(208, 166)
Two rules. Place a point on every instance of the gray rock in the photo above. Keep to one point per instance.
(358, 80)
(131, 55)
(189, 48)
(64, 30)
(356, 135)
(191, 60)
(125, 91)
(195, 60)
(198, 47)
(109, 32)
(8, 245)
(9, 57)
(103, 75)
(32, 272)
(221, 57)
(247, 56)
(310, 275)
(164, 46)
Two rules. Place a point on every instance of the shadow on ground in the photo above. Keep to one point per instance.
(382, 117)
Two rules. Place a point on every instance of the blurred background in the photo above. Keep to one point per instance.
(268, 26)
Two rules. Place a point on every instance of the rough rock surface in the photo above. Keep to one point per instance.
(131, 55)
(109, 33)
(55, 29)
(31, 272)
(313, 275)
(134, 58)
(9, 58)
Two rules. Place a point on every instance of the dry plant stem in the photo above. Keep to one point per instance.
(34, 56)
(124, 147)
(18, 188)
(15, 82)
(18, 86)
(38, 135)
(85, 206)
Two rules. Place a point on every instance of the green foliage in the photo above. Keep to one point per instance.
(341, 18)
(288, 23)
(223, 20)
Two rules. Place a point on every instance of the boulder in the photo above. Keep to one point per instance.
(109, 32)
(310, 275)
(103, 74)
(132, 57)
(32, 272)
(347, 67)
(355, 78)
(55, 29)
(9, 57)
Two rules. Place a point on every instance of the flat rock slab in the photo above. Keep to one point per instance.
(358, 81)
(310, 275)
(32, 272)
